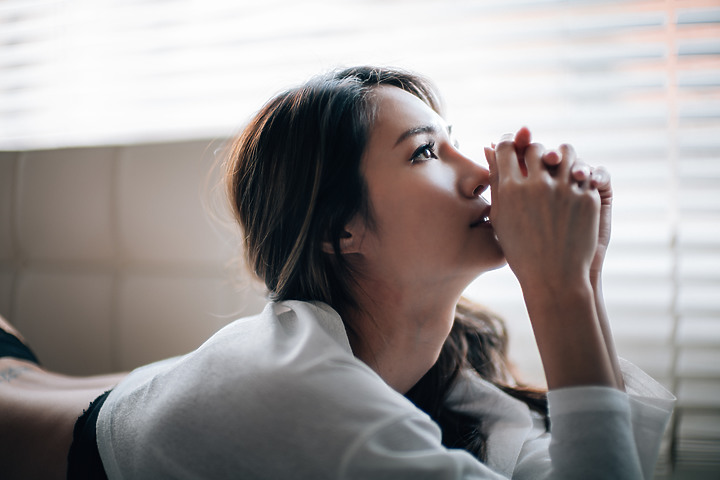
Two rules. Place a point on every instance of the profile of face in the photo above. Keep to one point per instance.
(429, 222)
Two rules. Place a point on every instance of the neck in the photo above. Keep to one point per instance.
(400, 335)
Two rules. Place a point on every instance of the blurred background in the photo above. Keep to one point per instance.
(116, 250)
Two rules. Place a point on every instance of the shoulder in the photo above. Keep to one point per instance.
(284, 340)
(293, 359)
(283, 380)
(283, 347)
(295, 356)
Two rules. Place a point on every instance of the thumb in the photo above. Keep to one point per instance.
(492, 165)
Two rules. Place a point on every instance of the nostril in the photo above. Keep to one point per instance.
(478, 190)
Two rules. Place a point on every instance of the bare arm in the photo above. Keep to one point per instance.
(600, 179)
(604, 323)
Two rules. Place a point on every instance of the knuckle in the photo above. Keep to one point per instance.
(567, 150)
(545, 182)
(509, 183)
(534, 150)
(505, 144)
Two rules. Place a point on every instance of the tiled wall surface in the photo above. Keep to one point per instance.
(114, 257)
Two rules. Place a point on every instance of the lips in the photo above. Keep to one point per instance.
(483, 219)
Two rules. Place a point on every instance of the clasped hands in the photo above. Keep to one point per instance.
(551, 213)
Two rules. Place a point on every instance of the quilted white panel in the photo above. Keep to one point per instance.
(162, 316)
(6, 290)
(64, 205)
(163, 216)
(66, 318)
(7, 171)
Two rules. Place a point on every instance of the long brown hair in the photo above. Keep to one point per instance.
(294, 180)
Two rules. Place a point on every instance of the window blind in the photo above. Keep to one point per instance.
(634, 85)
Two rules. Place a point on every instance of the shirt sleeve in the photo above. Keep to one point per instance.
(409, 449)
(651, 407)
(597, 433)
(618, 431)
(592, 435)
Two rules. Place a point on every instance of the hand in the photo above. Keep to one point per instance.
(547, 222)
(523, 138)
(599, 178)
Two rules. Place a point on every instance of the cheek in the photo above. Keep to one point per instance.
(408, 207)
(409, 203)
(441, 177)
(423, 223)
(422, 184)
(434, 197)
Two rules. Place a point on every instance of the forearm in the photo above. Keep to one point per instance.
(570, 339)
(604, 323)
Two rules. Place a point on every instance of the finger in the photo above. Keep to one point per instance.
(600, 177)
(523, 137)
(490, 157)
(522, 140)
(582, 184)
(551, 158)
(567, 158)
(534, 160)
(580, 171)
(492, 165)
(506, 159)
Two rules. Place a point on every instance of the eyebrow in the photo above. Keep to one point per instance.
(419, 131)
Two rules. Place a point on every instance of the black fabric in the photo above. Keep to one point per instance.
(11, 346)
(84, 457)
(84, 460)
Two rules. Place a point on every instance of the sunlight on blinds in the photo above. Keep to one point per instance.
(633, 85)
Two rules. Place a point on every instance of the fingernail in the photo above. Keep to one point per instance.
(553, 156)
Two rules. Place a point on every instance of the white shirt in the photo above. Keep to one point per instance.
(281, 396)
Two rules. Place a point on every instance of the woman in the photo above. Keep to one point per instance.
(366, 224)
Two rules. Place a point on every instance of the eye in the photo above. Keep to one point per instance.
(423, 153)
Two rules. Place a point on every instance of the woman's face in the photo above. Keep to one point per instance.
(429, 221)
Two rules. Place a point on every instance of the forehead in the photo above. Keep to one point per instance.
(398, 111)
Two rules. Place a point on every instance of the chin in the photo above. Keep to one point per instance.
(488, 265)
(498, 265)
(494, 265)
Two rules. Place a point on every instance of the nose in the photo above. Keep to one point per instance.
(473, 179)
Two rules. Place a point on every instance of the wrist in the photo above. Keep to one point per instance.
(548, 291)
(554, 299)
(569, 337)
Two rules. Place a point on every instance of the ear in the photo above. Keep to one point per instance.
(351, 239)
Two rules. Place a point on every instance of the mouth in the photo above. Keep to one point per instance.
(483, 219)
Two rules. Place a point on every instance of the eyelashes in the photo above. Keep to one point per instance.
(424, 153)
(427, 151)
